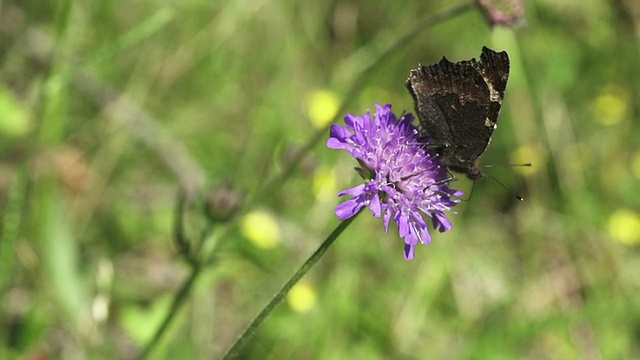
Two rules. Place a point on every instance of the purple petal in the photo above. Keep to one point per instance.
(409, 252)
(350, 207)
(441, 222)
(375, 206)
(425, 236)
(338, 136)
(354, 191)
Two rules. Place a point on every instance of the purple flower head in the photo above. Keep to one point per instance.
(403, 181)
(508, 13)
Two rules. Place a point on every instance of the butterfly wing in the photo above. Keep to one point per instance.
(458, 106)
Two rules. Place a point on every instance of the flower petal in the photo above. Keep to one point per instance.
(350, 207)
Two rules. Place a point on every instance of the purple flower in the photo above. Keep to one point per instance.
(508, 13)
(403, 181)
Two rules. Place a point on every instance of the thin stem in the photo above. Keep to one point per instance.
(181, 242)
(313, 259)
(181, 296)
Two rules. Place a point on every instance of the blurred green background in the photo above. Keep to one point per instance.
(109, 108)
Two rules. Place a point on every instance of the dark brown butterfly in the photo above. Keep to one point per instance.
(458, 106)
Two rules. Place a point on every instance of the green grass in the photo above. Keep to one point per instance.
(109, 109)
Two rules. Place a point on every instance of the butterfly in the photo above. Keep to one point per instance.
(458, 105)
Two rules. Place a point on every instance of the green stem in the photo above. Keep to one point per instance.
(178, 301)
(251, 329)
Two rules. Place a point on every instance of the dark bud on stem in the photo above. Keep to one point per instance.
(222, 203)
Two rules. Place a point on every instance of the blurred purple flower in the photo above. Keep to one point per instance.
(509, 13)
(403, 181)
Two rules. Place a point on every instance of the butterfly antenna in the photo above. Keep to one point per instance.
(473, 186)
(525, 164)
(503, 186)
(510, 165)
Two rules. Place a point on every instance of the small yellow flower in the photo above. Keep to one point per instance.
(322, 107)
(302, 298)
(612, 105)
(624, 226)
(261, 228)
(14, 118)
